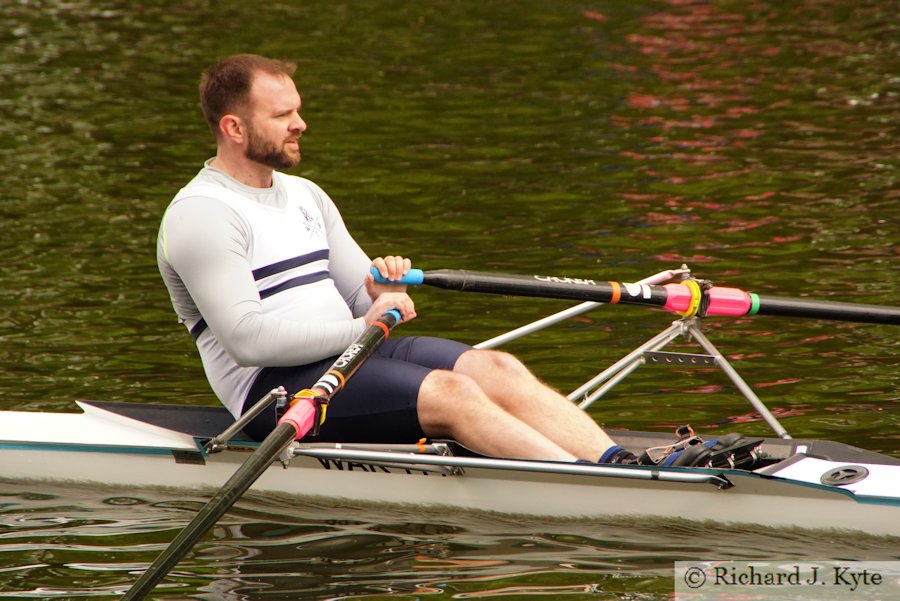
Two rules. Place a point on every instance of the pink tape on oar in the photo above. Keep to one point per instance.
(678, 297)
(301, 415)
(728, 301)
(722, 301)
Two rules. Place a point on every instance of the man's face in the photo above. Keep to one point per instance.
(274, 125)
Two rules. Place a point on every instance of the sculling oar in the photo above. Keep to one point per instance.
(306, 412)
(689, 298)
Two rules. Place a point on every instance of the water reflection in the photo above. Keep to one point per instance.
(737, 120)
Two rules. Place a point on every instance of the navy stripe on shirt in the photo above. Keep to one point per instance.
(294, 282)
(282, 266)
(198, 328)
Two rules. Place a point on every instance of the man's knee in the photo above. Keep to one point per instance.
(447, 399)
(492, 362)
(442, 386)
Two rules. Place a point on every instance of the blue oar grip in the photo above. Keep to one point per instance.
(414, 277)
(395, 314)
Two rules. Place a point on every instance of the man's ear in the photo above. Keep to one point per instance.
(233, 128)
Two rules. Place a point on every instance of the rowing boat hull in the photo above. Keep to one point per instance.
(752, 500)
(100, 447)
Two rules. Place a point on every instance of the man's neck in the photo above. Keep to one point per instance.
(247, 172)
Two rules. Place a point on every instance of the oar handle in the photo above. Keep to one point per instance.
(413, 277)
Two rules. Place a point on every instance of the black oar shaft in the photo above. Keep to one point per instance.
(832, 310)
(687, 298)
(542, 287)
(214, 509)
(289, 429)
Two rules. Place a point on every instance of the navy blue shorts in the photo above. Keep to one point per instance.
(379, 404)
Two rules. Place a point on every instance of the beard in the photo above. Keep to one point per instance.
(268, 153)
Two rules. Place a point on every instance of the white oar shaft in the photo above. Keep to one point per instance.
(538, 325)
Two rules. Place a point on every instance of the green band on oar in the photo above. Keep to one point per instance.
(754, 304)
(684, 298)
(297, 421)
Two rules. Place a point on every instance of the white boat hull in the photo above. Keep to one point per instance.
(103, 447)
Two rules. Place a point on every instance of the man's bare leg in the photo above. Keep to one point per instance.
(507, 382)
(453, 405)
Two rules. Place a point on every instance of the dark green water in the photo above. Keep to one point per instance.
(757, 142)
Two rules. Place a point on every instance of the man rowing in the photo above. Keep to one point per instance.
(264, 274)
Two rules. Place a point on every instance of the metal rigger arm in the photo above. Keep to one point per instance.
(220, 442)
(651, 352)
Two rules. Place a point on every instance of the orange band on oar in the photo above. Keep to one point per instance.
(387, 330)
(616, 293)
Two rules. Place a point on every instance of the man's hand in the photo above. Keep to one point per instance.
(391, 300)
(391, 268)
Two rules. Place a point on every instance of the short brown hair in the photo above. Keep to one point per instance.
(225, 87)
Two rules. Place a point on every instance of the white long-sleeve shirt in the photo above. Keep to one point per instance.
(260, 277)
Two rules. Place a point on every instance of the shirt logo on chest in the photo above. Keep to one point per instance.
(312, 225)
